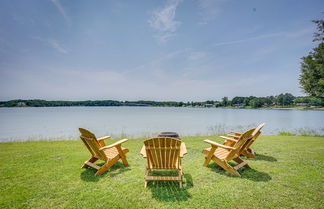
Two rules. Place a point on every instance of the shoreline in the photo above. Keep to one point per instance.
(230, 107)
(76, 138)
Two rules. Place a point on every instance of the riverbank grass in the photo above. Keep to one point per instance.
(287, 173)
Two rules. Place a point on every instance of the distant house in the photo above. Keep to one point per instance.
(238, 106)
(21, 104)
(301, 104)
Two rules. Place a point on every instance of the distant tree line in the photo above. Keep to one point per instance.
(45, 103)
(281, 100)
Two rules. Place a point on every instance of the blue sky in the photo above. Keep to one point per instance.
(183, 50)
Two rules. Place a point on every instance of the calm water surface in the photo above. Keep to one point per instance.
(46, 123)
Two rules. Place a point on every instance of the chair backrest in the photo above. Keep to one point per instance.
(255, 134)
(90, 141)
(240, 144)
(257, 131)
(163, 152)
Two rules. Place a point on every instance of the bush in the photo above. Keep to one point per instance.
(286, 133)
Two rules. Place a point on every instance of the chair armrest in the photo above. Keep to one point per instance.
(143, 151)
(227, 138)
(234, 136)
(218, 145)
(183, 149)
(236, 133)
(114, 144)
(103, 138)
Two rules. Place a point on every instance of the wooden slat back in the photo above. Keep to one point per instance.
(256, 133)
(163, 152)
(90, 141)
(240, 144)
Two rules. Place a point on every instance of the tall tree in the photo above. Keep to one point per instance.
(285, 99)
(312, 66)
(225, 101)
(320, 27)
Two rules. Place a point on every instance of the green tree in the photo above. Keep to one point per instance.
(269, 100)
(316, 101)
(238, 100)
(312, 66)
(320, 27)
(285, 99)
(256, 102)
(225, 101)
(247, 100)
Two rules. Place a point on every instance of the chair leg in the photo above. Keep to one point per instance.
(240, 160)
(252, 152)
(249, 153)
(180, 176)
(124, 161)
(206, 162)
(107, 165)
(122, 155)
(209, 156)
(145, 184)
(227, 167)
(91, 160)
(147, 171)
(231, 170)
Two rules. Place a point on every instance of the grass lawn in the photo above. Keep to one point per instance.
(287, 173)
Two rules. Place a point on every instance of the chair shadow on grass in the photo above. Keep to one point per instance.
(264, 158)
(88, 174)
(246, 173)
(170, 191)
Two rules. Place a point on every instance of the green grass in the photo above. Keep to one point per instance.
(287, 173)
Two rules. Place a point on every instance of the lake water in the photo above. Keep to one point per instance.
(50, 123)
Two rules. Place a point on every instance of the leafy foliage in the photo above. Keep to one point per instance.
(312, 72)
(312, 66)
(320, 27)
(285, 99)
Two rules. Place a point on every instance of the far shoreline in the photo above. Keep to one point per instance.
(230, 107)
(76, 138)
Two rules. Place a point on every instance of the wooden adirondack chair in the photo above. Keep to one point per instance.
(232, 139)
(99, 151)
(222, 154)
(163, 153)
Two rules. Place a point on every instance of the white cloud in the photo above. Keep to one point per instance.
(172, 65)
(208, 10)
(164, 37)
(163, 20)
(264, 36)
(61, 9)
(53, 44)
(197, 56)
(57, 46)
(285, 34)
